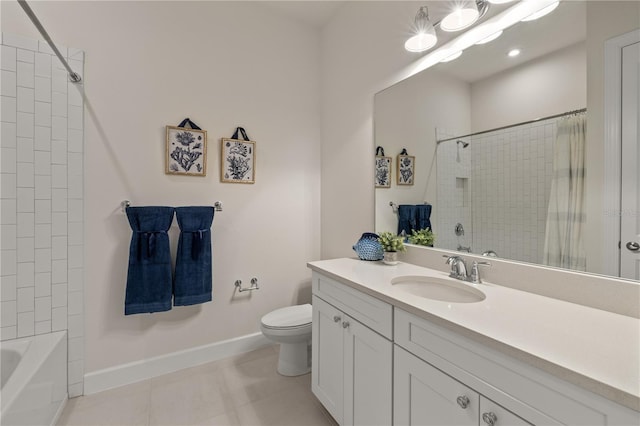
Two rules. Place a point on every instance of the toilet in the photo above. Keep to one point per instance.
(291, 327)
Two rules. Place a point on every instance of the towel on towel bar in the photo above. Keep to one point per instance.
(193, 282)
(406, 218)
(423, 215)
(149, 271)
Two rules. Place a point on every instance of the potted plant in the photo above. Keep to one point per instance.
(391, 244)
(423, 237)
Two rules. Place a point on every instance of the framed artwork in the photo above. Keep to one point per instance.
(186, 151)
(405, 170)
(383, 171)
(237, 161)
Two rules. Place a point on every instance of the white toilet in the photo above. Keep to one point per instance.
(291, 327)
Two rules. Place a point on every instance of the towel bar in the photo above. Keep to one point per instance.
(254, 285)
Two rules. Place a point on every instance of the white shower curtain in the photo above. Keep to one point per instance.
(563, 246)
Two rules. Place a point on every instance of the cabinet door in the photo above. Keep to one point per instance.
(492, 414)
(424, 395)
(327, 366)
(368, 376)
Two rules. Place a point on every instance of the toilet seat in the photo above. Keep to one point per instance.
(289, 318)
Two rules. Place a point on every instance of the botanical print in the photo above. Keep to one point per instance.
(186, 151)
(406, 169)
(238, 161)
(383, 172)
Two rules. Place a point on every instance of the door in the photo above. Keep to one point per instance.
(423, 395)
(367, 374)
(630, 196)
(327, 365)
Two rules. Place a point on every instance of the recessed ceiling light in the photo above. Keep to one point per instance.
(513, 53)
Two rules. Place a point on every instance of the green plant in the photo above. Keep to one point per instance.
(423, 237)
(390, 242)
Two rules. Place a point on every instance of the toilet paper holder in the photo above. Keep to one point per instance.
(254, 285)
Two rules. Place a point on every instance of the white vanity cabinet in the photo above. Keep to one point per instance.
(517, 393)
(387, 362)
(424, 395)
(351, 363)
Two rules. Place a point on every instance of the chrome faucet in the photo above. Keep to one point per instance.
(458, 267)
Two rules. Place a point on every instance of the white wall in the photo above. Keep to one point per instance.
(552, 84)
(223, 64)
(360, 57)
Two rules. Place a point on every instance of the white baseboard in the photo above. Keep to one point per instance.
(133, 372)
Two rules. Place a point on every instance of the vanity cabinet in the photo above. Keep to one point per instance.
(424, 395)
(374, 363)
(351, 363)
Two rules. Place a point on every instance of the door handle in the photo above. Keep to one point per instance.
(633, 246)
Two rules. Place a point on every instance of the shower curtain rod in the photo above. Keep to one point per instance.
(576, 111)
(73, 76)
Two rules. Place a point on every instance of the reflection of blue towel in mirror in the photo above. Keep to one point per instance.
(149, 271)
(193, 280)
(423, 214)
(413, 217)
(406, 218)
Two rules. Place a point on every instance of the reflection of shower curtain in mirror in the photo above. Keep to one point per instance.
(563, 245)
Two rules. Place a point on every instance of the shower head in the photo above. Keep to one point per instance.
(464, 144)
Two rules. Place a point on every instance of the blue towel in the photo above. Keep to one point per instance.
(192, 282)
(149, 272)
(423, 214)
(406, 218)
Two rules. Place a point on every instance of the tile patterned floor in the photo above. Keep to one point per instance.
(242, 390)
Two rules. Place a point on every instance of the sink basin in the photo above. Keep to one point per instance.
(446, 290)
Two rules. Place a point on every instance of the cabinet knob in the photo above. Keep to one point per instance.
(463, 401)
(489, 418)
(345, 324)
(336, 318)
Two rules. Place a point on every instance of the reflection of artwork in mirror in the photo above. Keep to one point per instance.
(405, 169)
(383, 172)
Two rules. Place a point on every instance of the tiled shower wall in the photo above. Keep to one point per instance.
(511, 177)
(453, 172)
(41, 196)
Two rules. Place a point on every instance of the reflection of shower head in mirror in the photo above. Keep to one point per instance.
(464, 144)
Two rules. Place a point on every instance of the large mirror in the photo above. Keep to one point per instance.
(484, 129)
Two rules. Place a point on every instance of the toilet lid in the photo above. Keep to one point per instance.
(291, 316)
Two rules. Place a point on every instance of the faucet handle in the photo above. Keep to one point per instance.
(475, 273)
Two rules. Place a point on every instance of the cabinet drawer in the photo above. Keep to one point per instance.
(374, 313)
(520, 388)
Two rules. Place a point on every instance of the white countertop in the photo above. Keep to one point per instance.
(592, 348)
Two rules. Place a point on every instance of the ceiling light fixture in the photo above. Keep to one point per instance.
(425, 37)
(501, 21)
(463, 15)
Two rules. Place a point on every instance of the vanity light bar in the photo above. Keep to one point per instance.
(504, 20)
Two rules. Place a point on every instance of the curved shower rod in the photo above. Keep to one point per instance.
(73, 76)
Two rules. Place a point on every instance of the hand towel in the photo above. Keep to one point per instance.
(193, 278)
(149, 271)
(423, 215)
(406, 218)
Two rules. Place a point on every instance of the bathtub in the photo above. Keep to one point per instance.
(34, 379)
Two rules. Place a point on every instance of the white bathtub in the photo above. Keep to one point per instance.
(34, 379)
